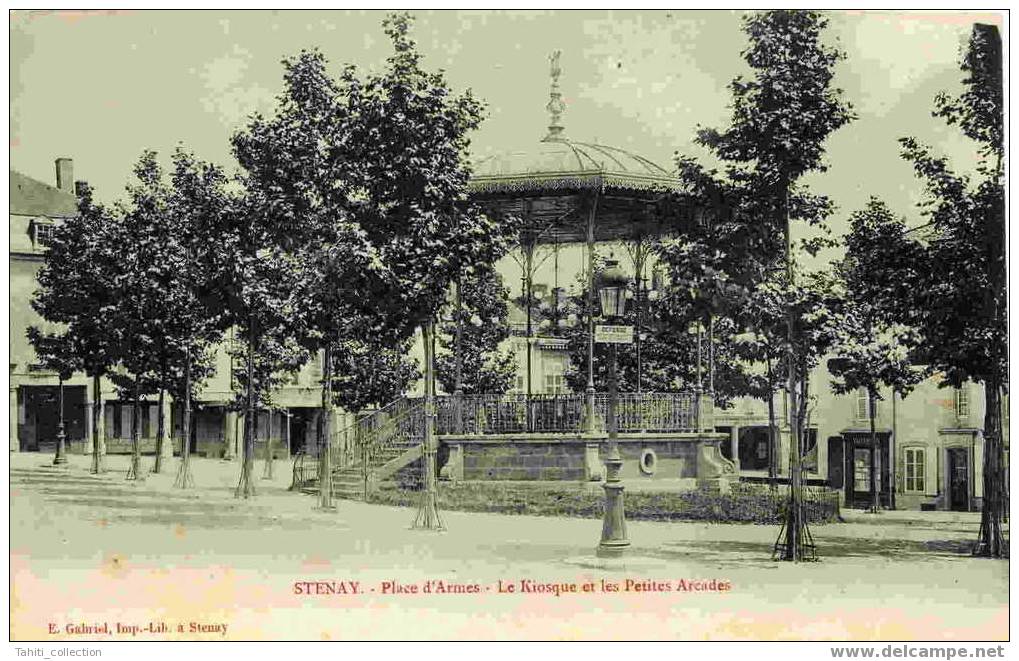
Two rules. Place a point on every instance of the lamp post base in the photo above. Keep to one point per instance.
(61, 455)
(614, 541)
(612, 549)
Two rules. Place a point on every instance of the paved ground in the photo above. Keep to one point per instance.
(97, 550)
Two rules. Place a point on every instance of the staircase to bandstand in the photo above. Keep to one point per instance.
(372, 449)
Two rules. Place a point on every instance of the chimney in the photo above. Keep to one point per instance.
(65, 175)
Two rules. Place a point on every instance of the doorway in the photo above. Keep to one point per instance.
(300, 424)
(836, 467)
(958, 479)
(859, 454)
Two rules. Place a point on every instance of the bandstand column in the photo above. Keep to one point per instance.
(734, 446)
(589, 403)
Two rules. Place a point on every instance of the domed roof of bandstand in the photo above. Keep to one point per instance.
(561, 163)
(546, 177)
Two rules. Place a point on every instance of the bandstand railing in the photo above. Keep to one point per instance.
(652, 412)
(565, 413)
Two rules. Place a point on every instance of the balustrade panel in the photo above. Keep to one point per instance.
(563, 414)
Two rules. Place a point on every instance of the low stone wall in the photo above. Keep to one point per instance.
(551, 457)
(527, 460)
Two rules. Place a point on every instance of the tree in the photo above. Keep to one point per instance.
(872, 350)
(371, 375)
(780, 121)
(761, 346)
(192, 258)
(278, 360)
(165, 307)
(77, 291)
(297, 174)
(138, 287)
(301, 178)
(475, 362)
(409, 136)
(361, 183)
(262, 290)
(959, 300)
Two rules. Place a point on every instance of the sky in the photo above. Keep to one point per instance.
(101, 87)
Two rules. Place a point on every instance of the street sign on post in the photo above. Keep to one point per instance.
(613, 334)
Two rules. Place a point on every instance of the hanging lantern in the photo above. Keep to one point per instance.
(612, 290)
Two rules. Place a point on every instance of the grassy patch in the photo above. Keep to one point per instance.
(581, 501)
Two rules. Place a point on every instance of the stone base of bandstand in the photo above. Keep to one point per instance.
(693, 457)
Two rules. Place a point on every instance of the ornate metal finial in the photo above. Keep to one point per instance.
(555, 104)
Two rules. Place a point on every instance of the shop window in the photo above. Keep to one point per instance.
(915, 469)
(861, 469)
(753, 448)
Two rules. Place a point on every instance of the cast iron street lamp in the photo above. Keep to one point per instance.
(61, 456)
(613, 535)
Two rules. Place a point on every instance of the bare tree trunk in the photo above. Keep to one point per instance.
(325, 465)
(254, 431)
(804, 420)
(772, 433)
(267, 471)
(246, 486)
(184, 478)
(991, 542)
(458, 388)
(794, 543)
(134, 472)
(157, 467)
(428, 517)
(98, 442)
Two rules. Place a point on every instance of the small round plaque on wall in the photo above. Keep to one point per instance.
(648, 461)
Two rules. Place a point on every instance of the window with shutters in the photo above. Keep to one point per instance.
(914, 469)
(962, 403)
(862, 404)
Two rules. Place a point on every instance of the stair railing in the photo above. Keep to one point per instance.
(400, 423)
